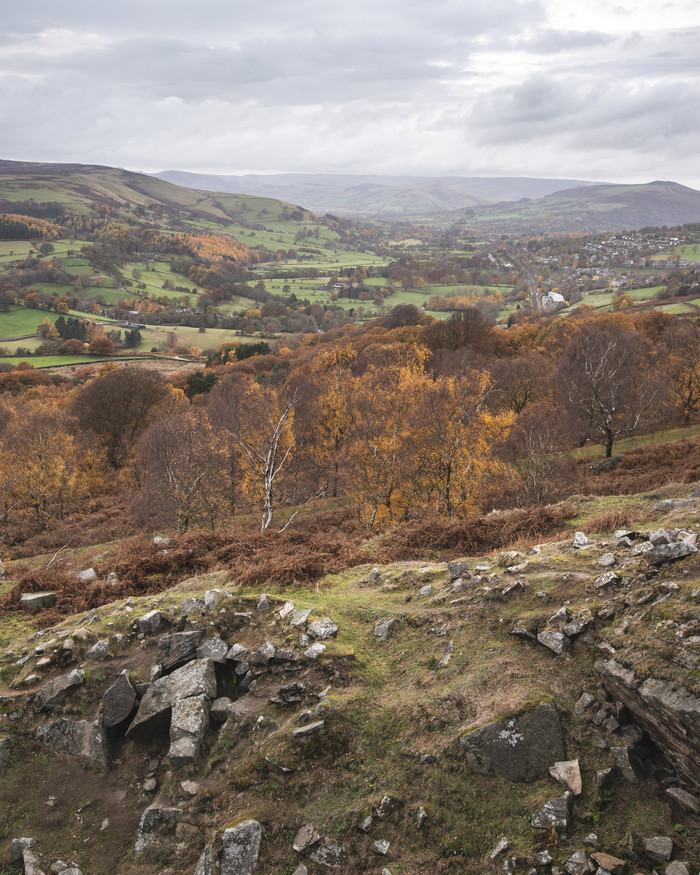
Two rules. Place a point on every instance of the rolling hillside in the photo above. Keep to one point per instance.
(593, 208)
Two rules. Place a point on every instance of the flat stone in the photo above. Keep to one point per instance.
(309, 729)
(305, 838)
(627, 764)
(316, 650)
(607, 862)
(87, 576)
(327, 853)
(322, 629)
(285, 611)
(554, 814)
(670, 552)
(557, 621)
(157, 825)
(119, 701)
(56, 691)
(299, 618)
(676, 868)
(519, 749)
(659, 849)
(568, 773)
(241, 846)
(237, 653)
(577, 626)
(683, 798)
(80, 738)
(36, 601)
(661, 536)
(579, 540)
(215, 649)
(501, 847)
(607, 560)
(382, 629)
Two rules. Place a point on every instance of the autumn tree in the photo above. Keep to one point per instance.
(119, 405)
(184, 467)
(682, 340)
(608, 382)
(259, 421)
(521, 380)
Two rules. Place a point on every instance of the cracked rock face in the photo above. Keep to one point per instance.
(669, 713)
(75, 738)
(520, 749)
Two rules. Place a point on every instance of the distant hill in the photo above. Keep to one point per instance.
(81, 187)
(377, 196)
(590, 209)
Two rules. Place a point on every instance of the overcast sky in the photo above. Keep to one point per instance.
(558, 88)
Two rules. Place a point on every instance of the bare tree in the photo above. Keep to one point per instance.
(608, 382)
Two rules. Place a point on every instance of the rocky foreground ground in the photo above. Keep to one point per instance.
(532, 711)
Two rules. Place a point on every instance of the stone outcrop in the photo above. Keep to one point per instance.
(118, 702)
(234, 853)
(56, 691)
(197, 678)
(520, 748)
(669, 713)
(80, 738)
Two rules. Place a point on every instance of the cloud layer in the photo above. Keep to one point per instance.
(532, 88)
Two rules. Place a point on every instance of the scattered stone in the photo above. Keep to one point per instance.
(56, 691)
(309, 729)
(157, 823)
(607, 560)
(193, 606)
(554, 814)
(520, 748)
(603, 778)
(557, 642)
(568, 774)
(446, 657)
(578, 625)
(291, 694)
(606, 579)
(327, 853)
(315, 650)
(380, 847)
(382, 629)
(659, 849)
(98, 651)
(544, 858)
(112, 578)
(35, 601)
(149, 785)
(517, 569)
(237, 653)
(608, 863)
(577, 864)
(459, 569)
(580, 540)
(676, 868)
(79, 738)
(214, 649)
(592, 841)
(627, 764)
(661, 536)
(584, 703)
(683, 798)
(322, 629)
(559, 620)
(300, 870)
(118, 702)
(305, 838)
(421, 817)
(150, 622)
(214, 597)
(426, 590)
(87, 576)
(670, 552)
(513, 588)
(506, 558)
(160, 541)
(299, 619)
(264, 654)
(501, 847)
(387, 806)
(263, 605)
(286, 609)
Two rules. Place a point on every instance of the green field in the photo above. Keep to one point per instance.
(52, 361)
(20, 320)
(686, 251)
